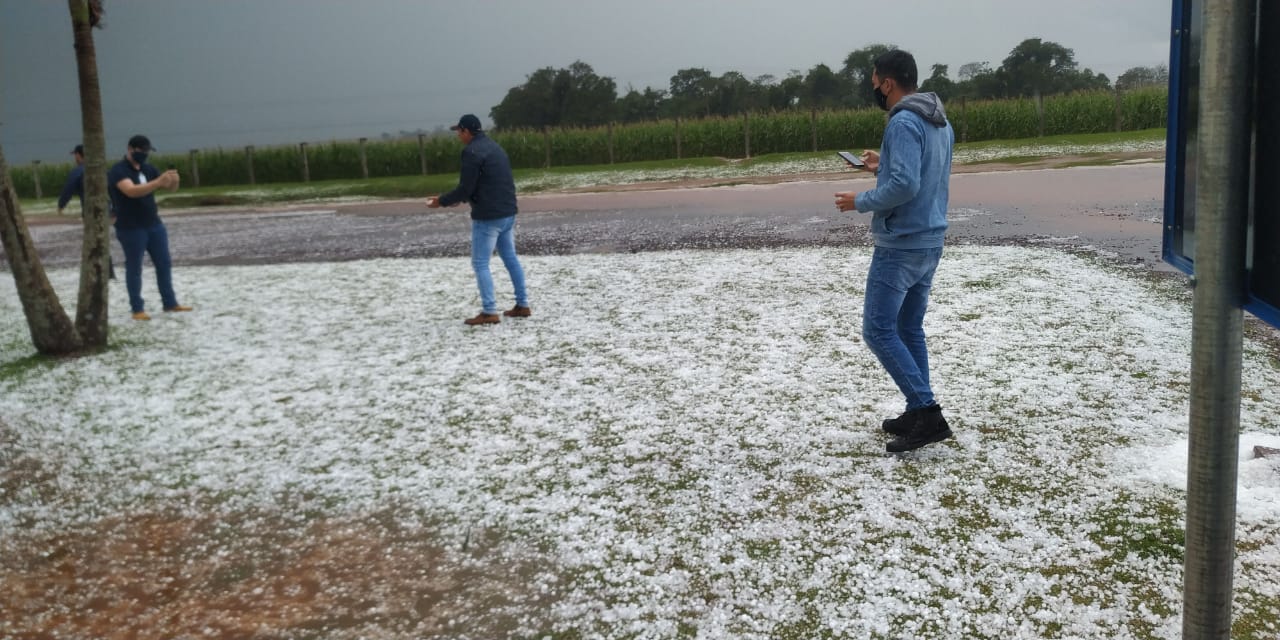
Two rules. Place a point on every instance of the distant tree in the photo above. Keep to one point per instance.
(939, 83)
(856, 72)
(970, 70)
(731, 94)
(1137, 77)
(783, 94)
(1036, 67)
(823, 88)
(558, 97)
(691, 91)
(637, 106)
(52, 331)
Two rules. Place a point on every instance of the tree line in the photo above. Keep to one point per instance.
(578, 96)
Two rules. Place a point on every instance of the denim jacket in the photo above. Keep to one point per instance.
(486, 181)
(913, 184)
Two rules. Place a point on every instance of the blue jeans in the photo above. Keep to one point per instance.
(155, 243)
(486, 235)
(898, 285)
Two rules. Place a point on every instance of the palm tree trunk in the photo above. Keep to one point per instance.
(51, 329)
(91, 311)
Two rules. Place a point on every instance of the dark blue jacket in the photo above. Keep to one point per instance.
(486, 181)
(73, 187)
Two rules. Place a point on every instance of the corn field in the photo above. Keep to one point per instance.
(737, 137)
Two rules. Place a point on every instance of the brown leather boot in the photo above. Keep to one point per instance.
(518, 312)
(483, 318)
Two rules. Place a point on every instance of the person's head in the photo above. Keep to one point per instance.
(78, 154)
(468, 126)
(139, 148)
(893, 77)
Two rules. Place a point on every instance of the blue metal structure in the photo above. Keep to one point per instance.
(1263, 282)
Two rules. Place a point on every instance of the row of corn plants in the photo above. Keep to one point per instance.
(780, 132)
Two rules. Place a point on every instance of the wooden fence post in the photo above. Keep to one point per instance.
(611, 143)
(422, 151)
(1119, 111)
(248, 157)
(678, 150)
(746, 132)
(813, 127)
(195, 169)
(964, 119)
(1039, 115)
(306, 169)
(364, 159)
(546, 147)
(35, 175)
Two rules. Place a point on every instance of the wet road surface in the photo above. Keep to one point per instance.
(1115, 210)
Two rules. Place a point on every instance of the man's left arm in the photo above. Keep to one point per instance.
(73, 186)
(903, 170)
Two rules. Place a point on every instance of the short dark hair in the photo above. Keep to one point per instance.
(899, 65)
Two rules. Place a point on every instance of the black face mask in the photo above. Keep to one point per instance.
(139, 156)
(882, 100)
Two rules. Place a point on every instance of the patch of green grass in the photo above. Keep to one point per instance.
(1145, 135)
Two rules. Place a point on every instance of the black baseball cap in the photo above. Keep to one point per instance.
(79, 149)
(468, 122)
(141, 142)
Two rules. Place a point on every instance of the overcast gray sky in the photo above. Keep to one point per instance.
(207, 73)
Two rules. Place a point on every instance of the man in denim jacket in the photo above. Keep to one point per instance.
(486, 182)
(909, 221)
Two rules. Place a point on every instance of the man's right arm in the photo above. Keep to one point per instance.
(470, 174)
(71, 188)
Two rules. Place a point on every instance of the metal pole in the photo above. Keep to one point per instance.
(1222, 201)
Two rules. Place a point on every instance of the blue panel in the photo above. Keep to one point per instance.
(1175, 167)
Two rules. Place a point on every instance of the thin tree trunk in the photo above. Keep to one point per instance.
(51, 330)
(95, 255)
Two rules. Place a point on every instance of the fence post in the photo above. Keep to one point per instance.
(248, 156)
(546, 147)
(306, 169)
(364, 160)
(1039, 115)
(610, 143)
(195, 169)
(746, 132)
(1119, 111)
(813, 127)
(678, 150)
(35, 175)
(422, 151)
(964, 119)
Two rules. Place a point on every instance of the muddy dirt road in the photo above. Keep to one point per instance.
(1115, 210)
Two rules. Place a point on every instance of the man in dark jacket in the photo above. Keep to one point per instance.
(487, 184)
(74, 186)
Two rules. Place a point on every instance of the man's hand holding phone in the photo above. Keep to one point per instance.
(868, 161)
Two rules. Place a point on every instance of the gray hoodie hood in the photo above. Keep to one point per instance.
(926, 105)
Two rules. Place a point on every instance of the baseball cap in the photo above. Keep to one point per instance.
(79, 149)
(468, 122)
(141, 142)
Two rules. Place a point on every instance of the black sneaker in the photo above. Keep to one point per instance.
(926, 426)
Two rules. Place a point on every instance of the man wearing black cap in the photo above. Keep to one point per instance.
(132, 184)
(75, 182)
(486, 182)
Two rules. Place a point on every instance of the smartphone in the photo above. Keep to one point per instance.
(851, 159)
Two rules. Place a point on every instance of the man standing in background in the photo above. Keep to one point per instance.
(913, 177)
(486, 182)
(74, 185)
(132, 184)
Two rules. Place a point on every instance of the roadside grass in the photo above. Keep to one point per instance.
(721, 170)
(652, 468)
